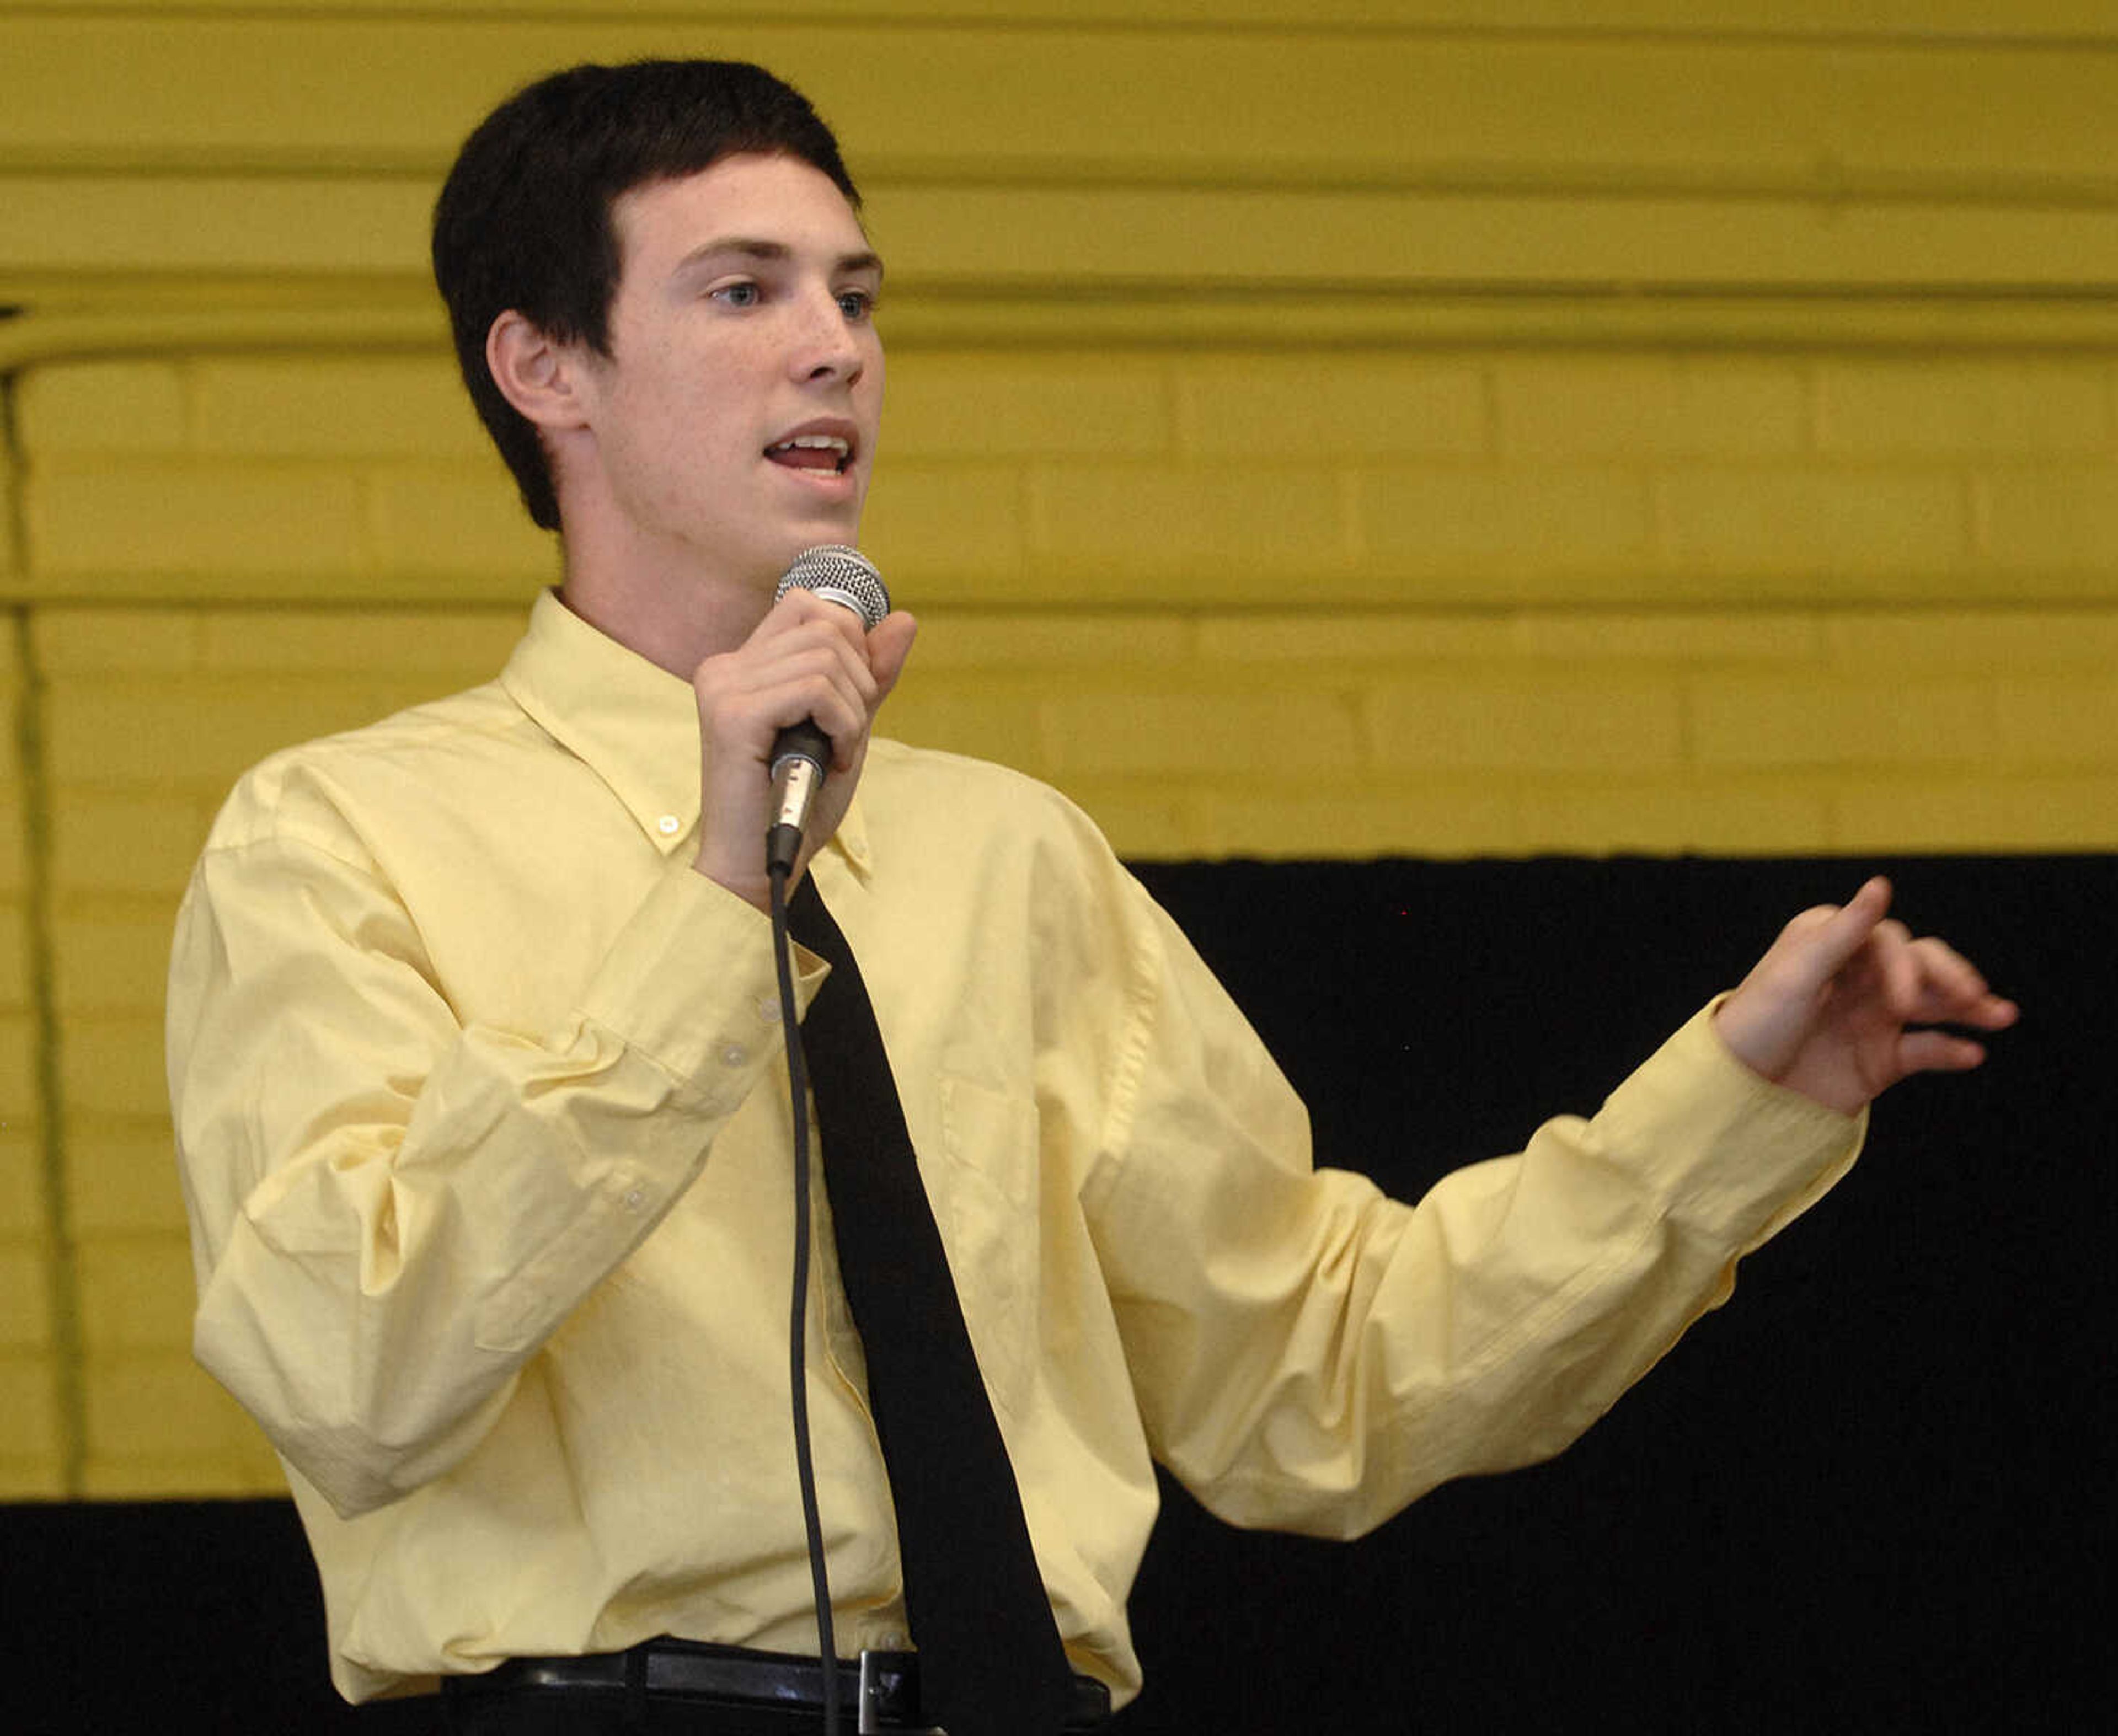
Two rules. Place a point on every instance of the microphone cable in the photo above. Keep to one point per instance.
(797, 1329)
(801, 756)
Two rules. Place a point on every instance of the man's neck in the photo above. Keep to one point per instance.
(668, 610)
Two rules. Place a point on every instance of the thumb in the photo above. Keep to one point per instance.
(888, 647)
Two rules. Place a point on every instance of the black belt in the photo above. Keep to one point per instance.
(879, 1692)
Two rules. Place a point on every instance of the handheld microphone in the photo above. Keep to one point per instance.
(802, 752)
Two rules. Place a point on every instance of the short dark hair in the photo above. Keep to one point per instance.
(523, 220)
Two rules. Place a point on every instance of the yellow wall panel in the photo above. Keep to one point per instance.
(118, 733)
(1827, 532)
(1340, 818)
(30, 1434)
(1882, 406)
(1060, 646)
(10, 530)
(19, 1106)
(1822, 19)
(1271, 733)
(1229, 239)
(1761, 815)
(1795, 720)
(101, 407)
(110, 961)
(2054, 520)
(458, 518)
(111, 1067)
(125, 842)
(1968, 813)
(22, 1186)
(97, 524)
(25, 1303)
(1561, 406)
(385, 406)
(56, 228)
(1498, 721)
(1673, 639)
(14, 853)
(72, 642)
(121, 1181)
(1362, 405)
(137, 1292)
(950, 530)
(1514, 534)
(1234, 528)
(1867, 642)
(1030, 150)
(333, 90)
(156, 1422)
(1337, 428)
(2068, 719)
(989, 404)
(1406, 639)
(15, 993)
(966, 717)
(440, 648)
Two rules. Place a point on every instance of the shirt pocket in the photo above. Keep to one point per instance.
(984, 1196)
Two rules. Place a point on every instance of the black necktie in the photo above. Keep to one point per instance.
(989, 1660)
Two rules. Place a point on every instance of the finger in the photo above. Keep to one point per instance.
(1995, 1012)
(812, 666)
(1952, 988)
(799, 611)
(800, 624)
(1903, 985)
(834, 698)
(1826, 947)
(831, 645)
(1937, 1051)
(748, 701)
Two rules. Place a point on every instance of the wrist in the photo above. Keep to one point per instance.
(751, 885)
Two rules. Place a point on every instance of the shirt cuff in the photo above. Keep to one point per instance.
(1729, 1152)
(689, 983)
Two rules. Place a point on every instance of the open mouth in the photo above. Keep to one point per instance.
(819, 452)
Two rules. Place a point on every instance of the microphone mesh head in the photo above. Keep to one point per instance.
(844, 575)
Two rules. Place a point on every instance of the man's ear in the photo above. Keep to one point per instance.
(539, 377)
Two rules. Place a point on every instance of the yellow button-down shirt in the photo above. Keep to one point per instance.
(481, 1109)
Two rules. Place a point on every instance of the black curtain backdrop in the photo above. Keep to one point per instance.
(1867, 1495)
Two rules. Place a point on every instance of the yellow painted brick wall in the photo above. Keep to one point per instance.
(31, 1434)
(1661, 433)
(150, 713)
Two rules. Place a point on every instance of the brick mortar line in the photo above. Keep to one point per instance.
(62, 1277)
(16, 502)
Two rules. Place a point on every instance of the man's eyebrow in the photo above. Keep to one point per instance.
(771, 252)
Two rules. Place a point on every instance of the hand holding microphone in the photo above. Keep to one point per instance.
(785, 716)
(802, 752)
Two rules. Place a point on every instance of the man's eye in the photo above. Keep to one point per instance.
(857, 304)
(738, 295)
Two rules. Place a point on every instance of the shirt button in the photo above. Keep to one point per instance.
(734, 1056)
(668, 825)
(634, 1199)
(768, 1010)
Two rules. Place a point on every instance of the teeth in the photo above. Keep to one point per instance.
(815, 442)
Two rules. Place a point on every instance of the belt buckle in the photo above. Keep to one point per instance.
(889, 1691)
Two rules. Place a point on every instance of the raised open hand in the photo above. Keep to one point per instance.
(1844, 1003)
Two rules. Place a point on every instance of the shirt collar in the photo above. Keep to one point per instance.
(633, 724)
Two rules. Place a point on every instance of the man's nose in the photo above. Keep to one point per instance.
(825, 345)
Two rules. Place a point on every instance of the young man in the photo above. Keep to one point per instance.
(479, 1099)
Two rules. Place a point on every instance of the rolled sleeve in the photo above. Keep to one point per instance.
(392, 1210)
